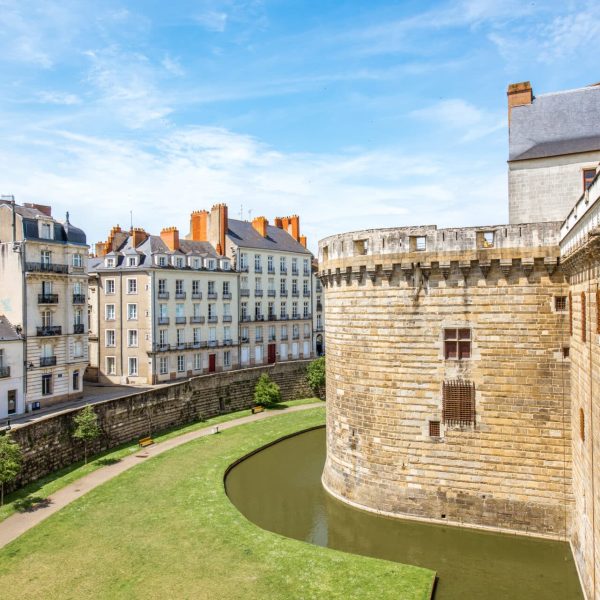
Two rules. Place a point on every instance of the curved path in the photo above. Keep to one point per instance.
(18, 523)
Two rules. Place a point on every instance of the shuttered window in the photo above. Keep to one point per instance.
(458, 398)
(457, 344)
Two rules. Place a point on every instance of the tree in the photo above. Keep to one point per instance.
(315, 374)
(87, 428)
(10, 462)
(266, 392)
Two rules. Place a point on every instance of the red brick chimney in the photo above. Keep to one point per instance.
(138, 236)
(43, 208)
(278, 222)
(294, 227)
(199, 226)
(260, 225)
(218, 227)
(170, 236)
(303, 240)
(519, 94)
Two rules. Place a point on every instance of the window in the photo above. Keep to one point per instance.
(294, 310)
(163, 365)
(77, 260)
(259, 334)
(196, 333)
(258, 284)
(162, 261)
(212, 311)
(305, 287)
(244, 308)
(458, 398)
(132, 313)
(306, 267)
(163, 311)
(243, 261)
(226, 288)
(197, 362)
(162, 286)
(110, 312)
(46, 384)
(46, 231)
(180, 336)
(77, 317)
(132, 338)
(211, 264)
(361, 247)
(178, 286)
(566, 351)
(282, 265)
(270, 266)
(196, 309)
(180, 310)
(212, 334)
(227, 358)
(582, 424)
(46, 257)
(257, 263)
(434, 429)
(282, 289)
(110, 262)
(47, 318)
(283, 313)
(163, 337)
(12, 402)
(417, 243)
(77, 350)
(110, 365)
(583, 318)
(588, 177)
(75, 381)
(110, 337)
(109, 286)
(226, 309)
(179, 262)
(132, 286)
(257, 311)
(294, 286)
(560, 303)
(196, 287)
(211, 288)
(180, 363)
(457, 344)
(272, 333)
(132, 261)
(294, 266)
(245, 334)
(306, 313)
(133, 365)
(196, 263)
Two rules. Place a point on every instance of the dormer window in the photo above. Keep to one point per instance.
(46, 231)
(162, 261)
(179, 262)
(196, 263)
(110, 262)
(225, 265)
(132, 261)
(211, 264)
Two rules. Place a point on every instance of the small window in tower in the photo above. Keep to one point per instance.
(361, 247)
(434, 429)
(457, 344)
(588, 177)
(458, 398)
(417, 243)
(560, 303)
(565, 351)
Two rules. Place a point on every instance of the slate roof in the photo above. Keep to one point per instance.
(556, 124)
(243, 234)
(7, 332)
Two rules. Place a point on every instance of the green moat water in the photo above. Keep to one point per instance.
(279, 489)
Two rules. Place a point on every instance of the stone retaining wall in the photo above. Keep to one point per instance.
(48, 444)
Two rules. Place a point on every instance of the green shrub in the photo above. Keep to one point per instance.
(315, 374)
(87, 428)
(10, 462)
(266, 392)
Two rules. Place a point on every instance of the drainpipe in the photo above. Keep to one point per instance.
(153, 324)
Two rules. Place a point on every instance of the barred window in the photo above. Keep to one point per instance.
(458, 398)
(434, 428)
(560, 303)
(583, 319)
(457, 343)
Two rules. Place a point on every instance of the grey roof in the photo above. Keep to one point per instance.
(243, 234)
(555, 124)
(7, 332)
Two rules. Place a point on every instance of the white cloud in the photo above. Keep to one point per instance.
(59, 98)
(163, 180)
(213, 20)
(173, 66)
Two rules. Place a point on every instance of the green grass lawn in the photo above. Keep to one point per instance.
(166, 529)
(39, 490)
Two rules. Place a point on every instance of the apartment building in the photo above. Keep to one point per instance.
(161, 308)
(11, 370)
(275, 286)
(43, 292)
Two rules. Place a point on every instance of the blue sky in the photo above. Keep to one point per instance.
(351, 114)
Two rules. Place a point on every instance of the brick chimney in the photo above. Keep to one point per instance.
(115, 240)
(260, 225)
(217, 227)
(303, 240)
(170, 236)
(278, 222)
(294, 227)
(519, 94)
(100, 249)
(43, 208)
(199, 226)
(138, 236)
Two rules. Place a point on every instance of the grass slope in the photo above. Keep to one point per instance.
(166, 529)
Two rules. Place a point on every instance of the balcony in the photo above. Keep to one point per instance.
(227, 318)
(47, 298)
(272, 338)
(212, 343)
(78, 328)
(212, 295)
(306, 294)
(180, 295)
(319, 328)
(180, 346)
(163, 295)
(79, 299)
(197, 320)
(306, 273)
(296, 336)
(271, 271)
(283, 292)
(47, 361)
(307, 336)
(258, 340)
(295, 293)
(284, 337)
(296, 317)
(307, 316)
(163, 320)
(245, 318)
(271, 293)
(162, 347)
(283, 271)
(283, 317)
(259, 317)
(319, 307)
(180, 320)
(243, 268)
(226, 295)
(272, 317)
(4, 372)
(244, 292)
(213, 319)
(49, 330)
(244, 340)
(257, 269)
(228, 342)
(42, 267)
(196, 295)
(258, 293)
(295, 272)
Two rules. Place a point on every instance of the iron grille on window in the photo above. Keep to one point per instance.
(457, 343)
(560, 303)
(458, 402)
(434, 428)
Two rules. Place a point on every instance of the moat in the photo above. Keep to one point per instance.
(279, 489)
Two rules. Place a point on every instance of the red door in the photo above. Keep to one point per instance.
(272, 353)
(212, 363)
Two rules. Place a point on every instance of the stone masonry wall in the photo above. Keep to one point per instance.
(48, 444)
(583, 268)
(386, 311)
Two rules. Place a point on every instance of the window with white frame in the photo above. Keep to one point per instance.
(180, 363)
(259, 334)
(111, 365)
(179, 262)
(133, 365)
(179, 286)
(227, 358)
(305, 289)
(47, 318)
(180, 336)
(227, 333)
(132, 261)
(180, 310)
(212, 264)
(226, 309)
(244, 309)
(46, 231)
(282, 264)
(196, 309)
(226, 288)
(211, 287)
(163, 311)
(197, 335)
(294, 286)
(46, 257)
(243, 260)
(109, 336)
(110, 262)
(294, 309)
(77, 350)
(270, 266)
(196, 263)
(198, 361)
(295, 265)
(110, 312)
(163, 337)
(109, 286)
(212, 310)
(162, 261)
(306, 312)
(306, 329)
(282, 286)
(77, 260)
(132, 313)
(212, 334)
(132, 338)
(163, 365)
(283, 310)
(258, 284)
(162, 286)
(132, 286)
(196, 286)
(306, 267)
(77, 316)
(257, 262)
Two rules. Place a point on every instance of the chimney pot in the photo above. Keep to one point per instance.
(260, 225)
(519, 94)
(170, 236)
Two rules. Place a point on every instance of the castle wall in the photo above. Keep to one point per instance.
(387, 306)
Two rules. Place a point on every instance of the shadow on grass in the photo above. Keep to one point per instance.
(105, 462)
(30, 503)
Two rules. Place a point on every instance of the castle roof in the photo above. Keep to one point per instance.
(243, 234)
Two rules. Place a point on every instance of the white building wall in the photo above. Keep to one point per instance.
(11, 353)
